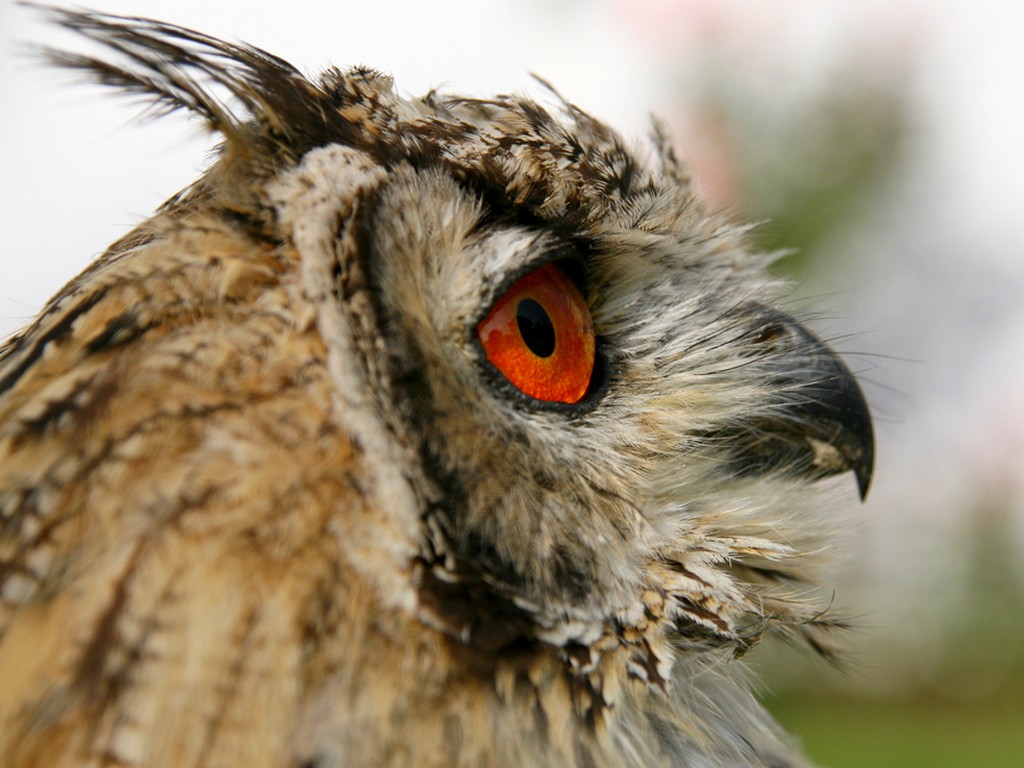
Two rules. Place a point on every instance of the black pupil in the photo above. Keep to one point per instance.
(535, 327)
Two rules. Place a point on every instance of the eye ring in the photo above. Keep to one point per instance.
(540, 336)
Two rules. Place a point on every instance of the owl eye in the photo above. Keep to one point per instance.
(539, 334)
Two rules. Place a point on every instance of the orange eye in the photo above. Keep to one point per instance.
(540, 336)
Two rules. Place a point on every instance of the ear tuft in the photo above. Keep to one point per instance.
(257, 101)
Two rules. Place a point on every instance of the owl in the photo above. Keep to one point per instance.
(416, 432)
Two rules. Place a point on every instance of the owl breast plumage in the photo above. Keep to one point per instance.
(433, 432)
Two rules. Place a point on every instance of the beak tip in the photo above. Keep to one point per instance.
(864, 465)
(863, 474)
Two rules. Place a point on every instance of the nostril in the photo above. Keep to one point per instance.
(770, 333)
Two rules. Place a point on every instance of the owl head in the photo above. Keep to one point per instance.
(583, 430)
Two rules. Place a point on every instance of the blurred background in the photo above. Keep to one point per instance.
(880, 141)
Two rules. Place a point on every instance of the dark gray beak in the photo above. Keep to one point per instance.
(816, 422)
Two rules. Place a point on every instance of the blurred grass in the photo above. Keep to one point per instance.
(857, 732)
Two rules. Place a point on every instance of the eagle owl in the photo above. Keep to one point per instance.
(416, 432)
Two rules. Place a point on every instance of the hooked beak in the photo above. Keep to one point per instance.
(817, 423)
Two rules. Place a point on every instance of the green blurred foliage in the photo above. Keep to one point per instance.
(982, 650)
(806, 165)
